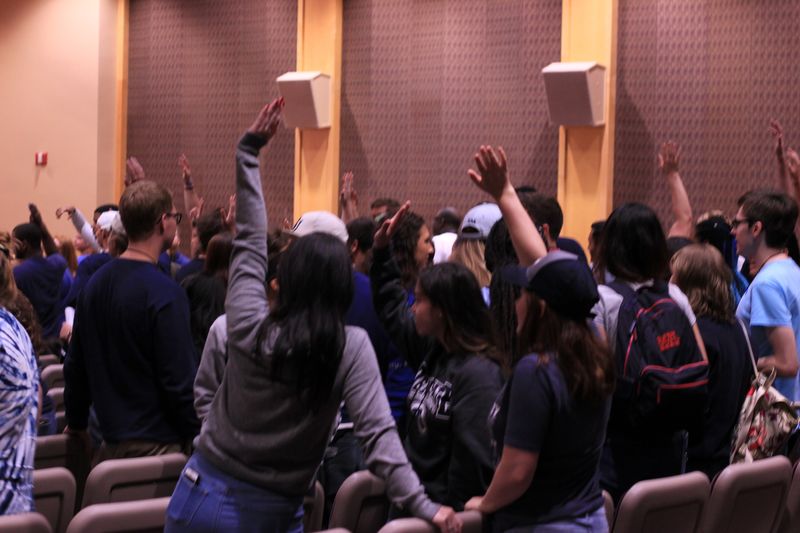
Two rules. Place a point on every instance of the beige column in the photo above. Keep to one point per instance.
(586, 155)
(319, 47)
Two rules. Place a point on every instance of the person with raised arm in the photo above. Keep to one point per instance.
(548, 425)
(252, 466)
(41, 276)
(668, 162)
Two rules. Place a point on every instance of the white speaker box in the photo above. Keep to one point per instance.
(575, 93)
(308, 99)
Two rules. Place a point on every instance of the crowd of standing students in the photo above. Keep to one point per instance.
(496, 377)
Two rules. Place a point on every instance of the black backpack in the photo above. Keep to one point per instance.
(662, 378)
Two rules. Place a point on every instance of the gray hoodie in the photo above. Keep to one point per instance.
(257, 430)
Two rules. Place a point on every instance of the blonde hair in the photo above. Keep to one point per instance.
(701, 273)
(470, 253)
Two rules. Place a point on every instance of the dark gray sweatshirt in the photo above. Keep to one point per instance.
(258, 430)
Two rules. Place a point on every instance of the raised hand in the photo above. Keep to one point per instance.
(383, 236)
(348, 198)
(68, 210)
(197, 211)
(492, 175)
(777, 134)
(186, 170)
(793, 164)
(268, 118)
(229, 216)
(135, 171)
(669, 158)
(446, 520)
(36, 216)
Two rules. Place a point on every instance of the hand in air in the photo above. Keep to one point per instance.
(383, 236)
(268, 118)
(492, 175)
(669, 156)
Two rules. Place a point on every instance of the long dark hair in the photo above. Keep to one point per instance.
(633, 246)
(218, 256)
(585, 360)
(453, 289)
(404, 244)
(502, 295)
(316, 288)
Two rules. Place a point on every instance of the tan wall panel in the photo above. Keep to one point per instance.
(55, 65)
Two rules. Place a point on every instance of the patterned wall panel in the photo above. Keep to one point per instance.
(708, 74)
(198, 73)
(426, 82)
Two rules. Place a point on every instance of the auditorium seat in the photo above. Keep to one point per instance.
(664, 505)
(142, 516)
(53, 376)
(313, 509)
(56, 395)
(47, 360)
(64, 450)
(54, 496)
(791, 516)
(138, 478)
(361, 505)
(749, 498)
(24, 523)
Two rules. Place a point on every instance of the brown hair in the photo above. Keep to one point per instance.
(701, 273)
(67, 250)
(141, 207)
(470, 253)
(584, 359)
(18, 305)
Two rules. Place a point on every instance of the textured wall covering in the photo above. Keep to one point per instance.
(198, 73)
(426, 82)
(708, 74)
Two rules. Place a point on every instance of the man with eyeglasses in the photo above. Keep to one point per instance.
(132, 355)
(771, 305)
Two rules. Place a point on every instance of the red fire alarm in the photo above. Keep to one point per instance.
(41, 159)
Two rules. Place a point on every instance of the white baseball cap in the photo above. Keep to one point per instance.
(319, 222)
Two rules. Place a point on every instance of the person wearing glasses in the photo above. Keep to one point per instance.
(771, 306)
(132, 355)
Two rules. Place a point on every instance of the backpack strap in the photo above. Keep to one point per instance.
(623, 289)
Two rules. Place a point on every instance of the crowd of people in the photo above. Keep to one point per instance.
(483, 362)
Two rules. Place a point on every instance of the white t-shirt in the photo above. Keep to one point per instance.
(443, 246)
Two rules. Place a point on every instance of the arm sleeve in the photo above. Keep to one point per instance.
(471, 465)
(530, 406)
(768, 306)
(175, 364)
(246, 301)
(211, 369)
(375, 429)
(391, 304)
(77, 396)
(85, 229)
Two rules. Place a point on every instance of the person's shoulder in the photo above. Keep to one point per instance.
(56, 260)
(479, 369)
(355, 336)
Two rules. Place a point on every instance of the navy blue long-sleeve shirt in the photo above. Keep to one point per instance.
(132, 356)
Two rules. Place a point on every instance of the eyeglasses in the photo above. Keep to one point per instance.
(176, 215)
(736, 221)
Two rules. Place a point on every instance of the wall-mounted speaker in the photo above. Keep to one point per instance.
(575, 93)
(308, 99)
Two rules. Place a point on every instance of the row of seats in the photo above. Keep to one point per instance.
(759, 497)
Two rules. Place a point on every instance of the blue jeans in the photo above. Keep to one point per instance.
(594, 522)
(207, 499)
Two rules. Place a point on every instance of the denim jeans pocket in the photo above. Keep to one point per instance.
(186, 500)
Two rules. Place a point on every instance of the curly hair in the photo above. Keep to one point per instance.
(699, 270)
